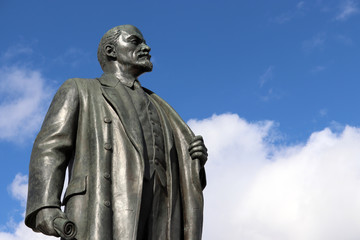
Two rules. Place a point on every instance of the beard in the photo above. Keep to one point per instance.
(144, 65)
(136, 67)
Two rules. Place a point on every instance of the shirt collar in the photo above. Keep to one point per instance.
(109, 80)
(127, 82)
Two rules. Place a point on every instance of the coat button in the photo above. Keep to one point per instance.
(107, 175)
(107, 203)
(107, 146)
(107, 120)
(156, 162)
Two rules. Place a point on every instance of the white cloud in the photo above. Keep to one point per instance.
(291, 14)
(316, 42)
(300, 5)
(18, 231)
(266, 76)
(257, 190)
(283, 18)
(18, 188)
(348, 8)
(344, 39)
(16, 50)
(23, 102)
(318, 68)
(323, 112)
(73, 57)
(270, 92)
(22, 232)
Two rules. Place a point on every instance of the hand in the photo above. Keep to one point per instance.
(198, 150)
(45, 220)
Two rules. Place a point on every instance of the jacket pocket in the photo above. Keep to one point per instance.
(76, 186)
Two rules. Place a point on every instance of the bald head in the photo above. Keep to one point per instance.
(109, 38)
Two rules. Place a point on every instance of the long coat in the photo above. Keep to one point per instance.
(89, 123)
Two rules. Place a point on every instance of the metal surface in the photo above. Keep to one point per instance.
(104, 134)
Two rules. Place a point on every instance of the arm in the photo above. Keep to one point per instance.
(52, 151)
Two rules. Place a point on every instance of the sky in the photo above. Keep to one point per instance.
(271, 85)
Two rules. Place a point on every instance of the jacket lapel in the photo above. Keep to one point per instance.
(116, 94)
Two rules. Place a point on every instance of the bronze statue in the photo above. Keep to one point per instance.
(136, 170)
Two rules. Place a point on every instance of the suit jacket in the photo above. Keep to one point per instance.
(89, 123)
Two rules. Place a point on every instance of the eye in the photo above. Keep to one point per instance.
(135, 41)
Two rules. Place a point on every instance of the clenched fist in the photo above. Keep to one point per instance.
(198, 150)
(45, 220)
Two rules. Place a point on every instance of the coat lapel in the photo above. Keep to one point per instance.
(116, 94)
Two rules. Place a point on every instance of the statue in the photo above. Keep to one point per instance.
(136, 170)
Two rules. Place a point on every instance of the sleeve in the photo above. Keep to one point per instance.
(53, 148)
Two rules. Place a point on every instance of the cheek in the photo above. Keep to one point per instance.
(132, 55)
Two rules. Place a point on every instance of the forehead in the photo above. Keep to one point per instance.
(130, 31)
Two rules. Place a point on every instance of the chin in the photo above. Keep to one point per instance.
(145, 66)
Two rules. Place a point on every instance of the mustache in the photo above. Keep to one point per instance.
(144, 54)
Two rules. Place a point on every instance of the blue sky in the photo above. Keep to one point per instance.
(286, 71)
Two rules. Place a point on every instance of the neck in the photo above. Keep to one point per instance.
(121, 71)
(124, 76)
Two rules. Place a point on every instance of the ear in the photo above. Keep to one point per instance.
(110, 51)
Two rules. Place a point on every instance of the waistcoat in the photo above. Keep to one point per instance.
(152, 130)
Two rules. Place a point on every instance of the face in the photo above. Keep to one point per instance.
(132, 51)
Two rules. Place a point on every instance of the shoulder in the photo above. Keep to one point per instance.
(80, 84)
(75, 87)
(82, 81)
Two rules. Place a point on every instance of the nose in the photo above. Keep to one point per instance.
(145, 47)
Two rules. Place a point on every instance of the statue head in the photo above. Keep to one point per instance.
(124, 47)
